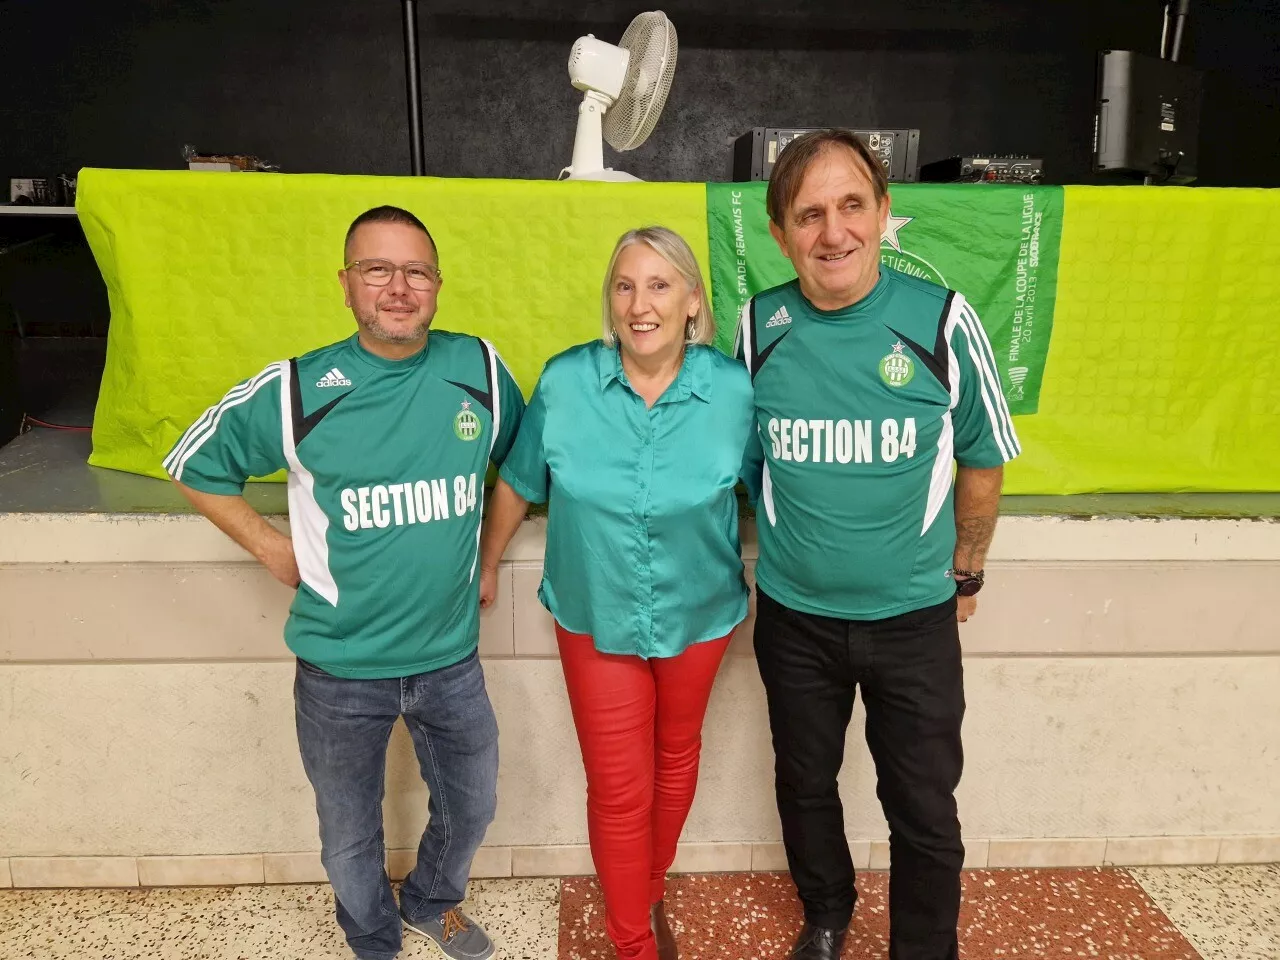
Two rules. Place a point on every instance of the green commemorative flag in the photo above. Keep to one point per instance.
(997, 244)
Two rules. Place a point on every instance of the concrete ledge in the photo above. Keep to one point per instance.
(575, 860)
(161, 612)
(116, 538)
(1161, 851)
(74, 871)
(293, 867)
(199, 871)
(188, 538)
(975, 855)
(1067, 748)
(1085, 852)
(1249, 850)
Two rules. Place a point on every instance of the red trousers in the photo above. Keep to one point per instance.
(640, 728)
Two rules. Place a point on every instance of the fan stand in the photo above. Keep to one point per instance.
(588, 151)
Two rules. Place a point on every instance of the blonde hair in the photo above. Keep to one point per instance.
(672, 247)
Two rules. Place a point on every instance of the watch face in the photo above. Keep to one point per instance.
(967, 588)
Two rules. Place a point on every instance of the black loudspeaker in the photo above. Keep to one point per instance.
(1148, 117)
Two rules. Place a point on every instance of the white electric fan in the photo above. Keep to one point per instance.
(625, 89)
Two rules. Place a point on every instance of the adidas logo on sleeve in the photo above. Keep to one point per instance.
(333, 378)
(780, 318)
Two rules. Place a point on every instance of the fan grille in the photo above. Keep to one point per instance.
(651, 40)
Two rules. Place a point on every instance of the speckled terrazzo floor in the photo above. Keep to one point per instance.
(1005, 913)
(1227, 912)
(292, 922)
(1181, 913)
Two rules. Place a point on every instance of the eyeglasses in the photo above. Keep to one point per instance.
(378, 273)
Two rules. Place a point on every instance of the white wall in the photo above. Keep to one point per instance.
(1121, 678)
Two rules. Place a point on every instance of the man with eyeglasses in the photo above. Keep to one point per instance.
(386, 437)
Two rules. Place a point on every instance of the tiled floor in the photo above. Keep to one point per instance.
(244, 923)
(1005, 913)
(1228, 913)
(1192, 913)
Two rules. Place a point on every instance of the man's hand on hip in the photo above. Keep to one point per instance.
(278, 557)
(233, 516)
(966, 607)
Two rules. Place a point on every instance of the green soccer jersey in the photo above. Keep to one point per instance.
(861, 415)
(386, 464)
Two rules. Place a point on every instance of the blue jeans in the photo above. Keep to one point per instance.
(343, 730)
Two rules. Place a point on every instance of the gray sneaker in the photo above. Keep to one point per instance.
(457, 935)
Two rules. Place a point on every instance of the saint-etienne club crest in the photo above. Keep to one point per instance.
(466, 424)
(897, 369)
(903, 259)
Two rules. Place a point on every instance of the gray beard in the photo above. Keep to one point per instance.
(375, 329)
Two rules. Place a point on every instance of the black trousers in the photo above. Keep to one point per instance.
(911, 677)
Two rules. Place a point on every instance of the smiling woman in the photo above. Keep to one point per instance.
(653, 309)
(677, 260)
(636, 441)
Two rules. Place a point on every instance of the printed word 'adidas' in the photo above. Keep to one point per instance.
(333, 378)
(779, 319)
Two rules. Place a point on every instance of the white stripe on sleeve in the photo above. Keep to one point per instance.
(241, 396)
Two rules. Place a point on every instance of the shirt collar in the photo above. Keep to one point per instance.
(697, 366)
(694, 376)
(609, 359)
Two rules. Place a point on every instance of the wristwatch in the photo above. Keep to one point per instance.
(968, 582)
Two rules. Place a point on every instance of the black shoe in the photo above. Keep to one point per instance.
(662, 934)
(818, 943)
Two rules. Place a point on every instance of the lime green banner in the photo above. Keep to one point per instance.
(1159, 375)
(211, 276)
(1162, 374)
(996, 244)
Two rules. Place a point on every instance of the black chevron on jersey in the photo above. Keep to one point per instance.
(482, 397)
(935, 360)
(763, 355)
(304, 425)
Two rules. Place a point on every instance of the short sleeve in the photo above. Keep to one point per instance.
(984, 433)
(525, 467)
(238, 437)
(752, 471)
(742, 338)
(510, 409)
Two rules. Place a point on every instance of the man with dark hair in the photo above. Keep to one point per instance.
(872, 389)
(386, 437)
(384, 214)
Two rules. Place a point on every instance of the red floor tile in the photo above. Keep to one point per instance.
(1005, 913)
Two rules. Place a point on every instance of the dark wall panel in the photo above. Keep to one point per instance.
(318, 85)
